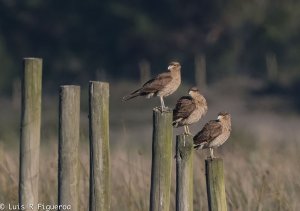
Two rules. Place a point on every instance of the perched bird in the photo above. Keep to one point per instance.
(189, 109)
(162, 85)
(214, 133)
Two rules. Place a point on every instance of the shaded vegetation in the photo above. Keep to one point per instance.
(79, 40)
(287, 92)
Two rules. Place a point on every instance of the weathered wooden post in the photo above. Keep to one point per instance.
(161, 160)
(184, 172)
(215, 185)
(69, 118)
(99, 146)
(30, 132)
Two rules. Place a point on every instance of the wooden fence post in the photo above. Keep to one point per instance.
(30, 132)
(215, 184)
(184, 172)
(69, 118)
(161, 160)
(99, 146)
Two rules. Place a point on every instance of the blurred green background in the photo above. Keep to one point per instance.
(80, 39)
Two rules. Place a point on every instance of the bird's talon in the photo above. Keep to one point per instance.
(188, 133)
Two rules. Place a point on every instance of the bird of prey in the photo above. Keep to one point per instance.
(162, 85)
(214, 133)
(189, 109)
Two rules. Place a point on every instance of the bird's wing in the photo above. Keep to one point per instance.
(152, 86)
(156, 84)
(184, 107)
(209, 132)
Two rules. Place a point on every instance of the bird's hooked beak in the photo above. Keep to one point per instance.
(170, 66)
(191, 92)
(220, 117)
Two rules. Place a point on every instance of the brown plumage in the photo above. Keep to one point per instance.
(162, 85)
(189, 109)
(214, 133)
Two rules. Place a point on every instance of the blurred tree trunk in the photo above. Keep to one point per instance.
(200, 71)
(16, 94)
(272, 67)
(101, 75)
(145, 71)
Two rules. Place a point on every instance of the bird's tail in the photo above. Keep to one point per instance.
(175, 122)
(199, 146)
(131, 95)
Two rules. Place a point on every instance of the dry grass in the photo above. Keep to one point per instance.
(256, 180)
(261, 157)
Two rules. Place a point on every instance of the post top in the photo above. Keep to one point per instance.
(103, 82)
(215, 159)
(32, 58)
(158, 109)
(184, 135)
(69, 86)
(98, 82)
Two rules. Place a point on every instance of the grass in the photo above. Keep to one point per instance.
(260, 158)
